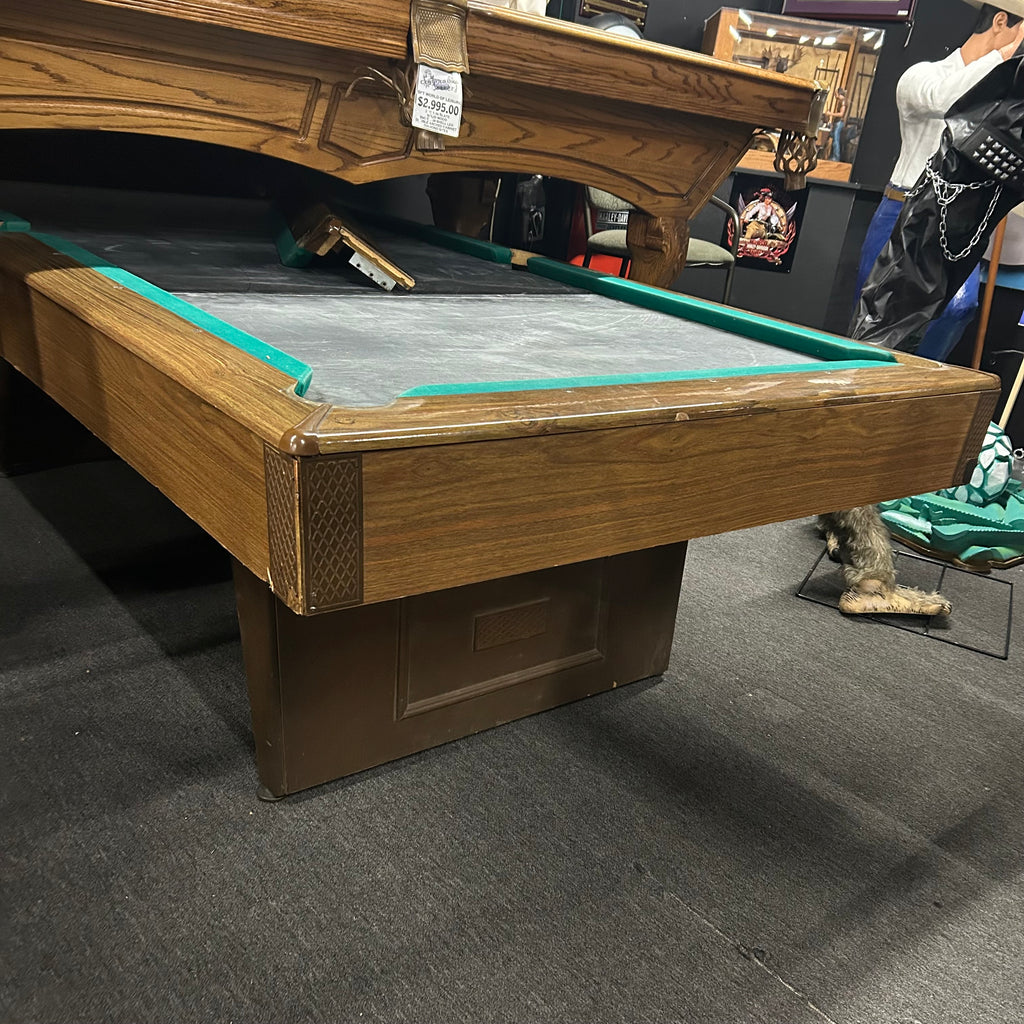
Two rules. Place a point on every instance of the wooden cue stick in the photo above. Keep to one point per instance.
(990, 288)
(1012, 396)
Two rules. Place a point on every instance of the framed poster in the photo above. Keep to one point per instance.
(843, 10)
(770, 220)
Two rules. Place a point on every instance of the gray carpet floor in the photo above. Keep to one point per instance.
(808, 819)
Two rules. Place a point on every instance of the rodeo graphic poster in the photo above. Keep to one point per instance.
(770, 219)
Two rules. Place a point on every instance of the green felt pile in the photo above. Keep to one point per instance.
(12, 222)
(979, 524)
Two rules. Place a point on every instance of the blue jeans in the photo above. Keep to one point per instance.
(837, 131)
(943, 333)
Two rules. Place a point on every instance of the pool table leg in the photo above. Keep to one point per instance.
(657, 248)
(340, 692)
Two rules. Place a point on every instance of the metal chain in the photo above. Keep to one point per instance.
(916, 190)
(945, 193)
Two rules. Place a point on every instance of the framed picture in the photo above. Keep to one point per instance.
(770, 219)
(843, 10)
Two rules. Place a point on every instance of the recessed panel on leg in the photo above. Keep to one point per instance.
(337, 693)
(462, 643)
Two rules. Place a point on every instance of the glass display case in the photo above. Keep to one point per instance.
(841, 58)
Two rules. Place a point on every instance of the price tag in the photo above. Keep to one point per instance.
(437, 102)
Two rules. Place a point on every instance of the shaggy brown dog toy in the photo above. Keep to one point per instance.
(859, 539)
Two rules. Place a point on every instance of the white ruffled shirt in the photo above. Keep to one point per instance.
(923, 95)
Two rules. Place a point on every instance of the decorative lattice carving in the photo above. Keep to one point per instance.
(439, 34)
(282, 523)
(331, 509)
(315, 528)
(795, 156)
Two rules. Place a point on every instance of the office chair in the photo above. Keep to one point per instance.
(606, 217)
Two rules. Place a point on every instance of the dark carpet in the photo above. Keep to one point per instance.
(808, 819)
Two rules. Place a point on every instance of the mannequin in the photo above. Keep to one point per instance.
(923, 95)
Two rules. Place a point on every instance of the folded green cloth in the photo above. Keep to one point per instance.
(980, 522)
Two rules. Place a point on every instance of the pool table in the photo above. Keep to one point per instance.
(322, 83)
(457, 505)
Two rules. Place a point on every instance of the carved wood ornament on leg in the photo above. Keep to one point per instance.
(657, 248)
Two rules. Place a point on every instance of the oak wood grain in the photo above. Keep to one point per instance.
(201, 459)
(380, 28)
(455, 489)
(565, 56)
(658, 126)
(441, 517)
(657, 247)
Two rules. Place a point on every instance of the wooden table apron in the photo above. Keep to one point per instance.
(658, 126)
(450, 562)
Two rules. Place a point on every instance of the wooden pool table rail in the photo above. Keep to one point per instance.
(337, 507)
(521, 48)
(658, 126)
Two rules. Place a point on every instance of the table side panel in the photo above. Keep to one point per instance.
(443, 516)
(337, 693)
(200, 455)
(201, 459)
(514, 48)
(108, 85)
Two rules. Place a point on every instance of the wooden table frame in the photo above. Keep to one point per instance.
(357, 533)
(658, 126)
(149, 383)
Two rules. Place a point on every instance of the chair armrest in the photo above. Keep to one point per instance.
(734, 217)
